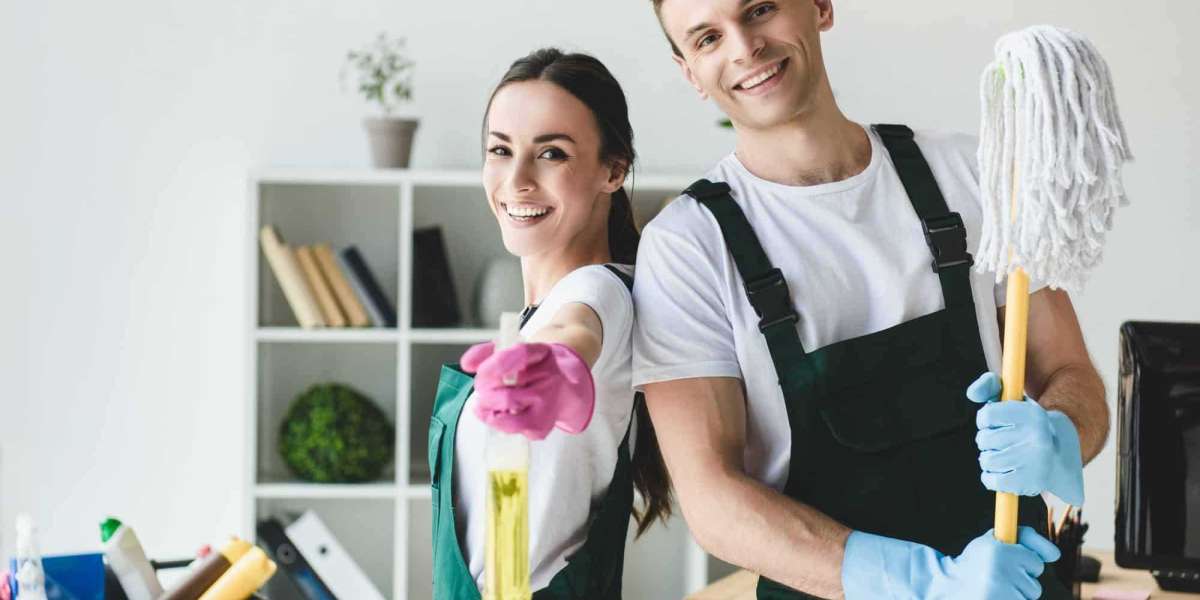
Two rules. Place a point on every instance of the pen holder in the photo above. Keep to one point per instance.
(1069, 539)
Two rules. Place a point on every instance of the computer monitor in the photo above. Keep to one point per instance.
(1158, 463)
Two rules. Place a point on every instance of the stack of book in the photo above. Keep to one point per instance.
(326, 288)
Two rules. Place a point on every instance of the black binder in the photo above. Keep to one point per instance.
(435, 303)
(281, 549)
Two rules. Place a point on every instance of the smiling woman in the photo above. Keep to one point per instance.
(558, 147)
(542, 141)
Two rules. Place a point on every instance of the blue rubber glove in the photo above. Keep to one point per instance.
(877, 567)
(1023, 448)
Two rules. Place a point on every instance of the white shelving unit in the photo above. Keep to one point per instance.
(385, 525)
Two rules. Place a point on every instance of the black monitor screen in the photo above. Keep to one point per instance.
(1158, 470)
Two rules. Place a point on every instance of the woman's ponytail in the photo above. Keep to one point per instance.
(623, 234)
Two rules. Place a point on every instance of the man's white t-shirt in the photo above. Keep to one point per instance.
(853, 253)
(568, 474)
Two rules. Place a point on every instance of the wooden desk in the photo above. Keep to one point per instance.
(740, 585)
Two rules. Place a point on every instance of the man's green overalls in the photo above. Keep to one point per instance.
(883, 437)
(592, 572)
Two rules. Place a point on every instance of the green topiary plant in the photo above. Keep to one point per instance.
(334, 434)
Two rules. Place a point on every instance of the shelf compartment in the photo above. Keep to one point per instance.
(470, 234)
(365, 528)
(366, 216)
(286, 369)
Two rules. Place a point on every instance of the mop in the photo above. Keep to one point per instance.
(1051, 149)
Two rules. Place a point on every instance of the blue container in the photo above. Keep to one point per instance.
(70, 577)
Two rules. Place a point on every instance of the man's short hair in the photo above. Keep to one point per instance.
(658, 12)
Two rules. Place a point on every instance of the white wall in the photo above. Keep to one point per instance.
(127, 129)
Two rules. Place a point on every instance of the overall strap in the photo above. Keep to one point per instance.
(944, 231)
(622, 275)
(527, 314)
(764, 284)
(638, 397)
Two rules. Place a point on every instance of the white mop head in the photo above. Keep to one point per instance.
(1049, 111)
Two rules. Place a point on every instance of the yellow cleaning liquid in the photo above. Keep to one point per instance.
(507, 545)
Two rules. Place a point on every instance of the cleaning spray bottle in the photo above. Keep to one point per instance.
(128, 561)
(30, 577)
(506, 549)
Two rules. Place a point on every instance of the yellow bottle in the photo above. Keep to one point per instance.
(246, 575)
(506, 548)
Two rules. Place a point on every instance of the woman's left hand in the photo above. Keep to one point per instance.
(530, 388)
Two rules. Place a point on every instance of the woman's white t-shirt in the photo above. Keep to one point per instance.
(855, 259)
(568, 474)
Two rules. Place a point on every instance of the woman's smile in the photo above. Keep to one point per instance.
(525, 214)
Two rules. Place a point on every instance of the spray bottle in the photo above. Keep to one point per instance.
(506, 549)
(31, 578)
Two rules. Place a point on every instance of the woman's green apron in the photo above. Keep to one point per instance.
(883, 437)
(593, 571)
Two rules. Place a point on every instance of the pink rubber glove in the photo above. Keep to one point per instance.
(531, 388)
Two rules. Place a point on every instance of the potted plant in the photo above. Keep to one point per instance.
(384, 78)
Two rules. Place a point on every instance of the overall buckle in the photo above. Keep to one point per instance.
(947, 240)
(771, 299)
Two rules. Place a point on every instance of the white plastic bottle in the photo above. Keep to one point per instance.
(128, 561)
(31, 579)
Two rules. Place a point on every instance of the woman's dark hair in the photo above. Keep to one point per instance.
(589, 81)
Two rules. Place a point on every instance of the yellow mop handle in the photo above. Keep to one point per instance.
(1016, 326)
(1012, 368)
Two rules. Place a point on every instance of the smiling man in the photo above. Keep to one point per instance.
(816, 352)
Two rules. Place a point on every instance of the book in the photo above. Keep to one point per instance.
(374, 318)
(282, 260)
(434, 302)
(329, 560)
(370, 293)
(284, 552)
(356, 315)
(325, 300)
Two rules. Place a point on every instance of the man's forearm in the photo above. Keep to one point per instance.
(701, 425)
(769, 534)
(1078, 392)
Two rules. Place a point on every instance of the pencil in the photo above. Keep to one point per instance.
(1066, 514)
(1050, 523)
